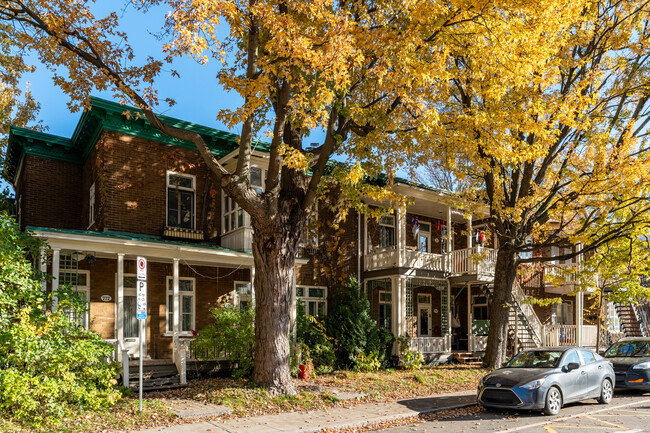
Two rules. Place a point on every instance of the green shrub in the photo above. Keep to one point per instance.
(49, 365)
(311, 333)
(350, 322)
(368, 363)
(409, 359)
(232, 334)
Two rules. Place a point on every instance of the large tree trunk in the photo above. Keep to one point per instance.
(274, 256)
(504, 277)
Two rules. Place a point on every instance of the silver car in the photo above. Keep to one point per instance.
(547, 378)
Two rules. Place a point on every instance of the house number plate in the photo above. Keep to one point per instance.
(106, 298)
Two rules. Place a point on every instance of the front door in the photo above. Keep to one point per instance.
(130, 323)
(424, 315)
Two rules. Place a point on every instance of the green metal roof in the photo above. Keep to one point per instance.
(108, 234)
(105, 115)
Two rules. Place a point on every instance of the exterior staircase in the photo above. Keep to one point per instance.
(629, 321)
(467, 358)
(157, 375)
(525, 331)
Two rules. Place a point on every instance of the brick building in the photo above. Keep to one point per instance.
(118, 189)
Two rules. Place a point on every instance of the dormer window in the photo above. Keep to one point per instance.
(181, 202)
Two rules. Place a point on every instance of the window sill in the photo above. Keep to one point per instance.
(180, 334)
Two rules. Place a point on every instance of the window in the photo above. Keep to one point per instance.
(613, 320)
(243, 294)
(314, 298)
(479, 307)
(572, 356)
(424, 238)
(310, 234)
(233, 216)
(528, 254)
(556, 252)
(387, 231)
(91, 205)
(180, 200)
(561, 314)
(587, 356)
(385, 309)
(186, 302)
(79, 282)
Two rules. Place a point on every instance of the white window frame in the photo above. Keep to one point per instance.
(230, 209)
(482, 304)
(613, 319)
(389, 303)
(85, 320)
(169, 316)
(527, 254)
(306, 299)
(424, 234)
(383, 223)
(91, 205)
(193, 190)
(246, 297)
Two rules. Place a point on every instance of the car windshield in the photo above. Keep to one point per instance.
(536, 359)
(629, 348)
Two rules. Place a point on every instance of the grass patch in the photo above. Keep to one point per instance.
(246, 399)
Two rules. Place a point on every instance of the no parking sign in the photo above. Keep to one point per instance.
(141, 288)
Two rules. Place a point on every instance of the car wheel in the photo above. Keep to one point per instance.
(606, 392)
(553, 401)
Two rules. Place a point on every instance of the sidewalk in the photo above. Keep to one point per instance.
(303, 422)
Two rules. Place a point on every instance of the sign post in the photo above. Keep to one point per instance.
(141, 314)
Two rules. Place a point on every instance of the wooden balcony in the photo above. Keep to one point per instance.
(476, 260)
(560, 279)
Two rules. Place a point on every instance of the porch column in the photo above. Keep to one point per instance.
(579, 316)
(120, 299)
(448, 316)
(56, 253)
(176, 301)
(400, 235)
(450, 237)
(395, 305)
(469, 318)
(253, 286)
(402, 300)
(469, 232)
(42, 266)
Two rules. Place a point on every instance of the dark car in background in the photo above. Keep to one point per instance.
(631, 360)
(547, 378)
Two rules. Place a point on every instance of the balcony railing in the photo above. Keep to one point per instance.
(477, 260)
(560, 275)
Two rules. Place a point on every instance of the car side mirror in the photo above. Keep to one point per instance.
(572, 366)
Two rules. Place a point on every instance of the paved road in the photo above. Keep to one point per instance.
(628, 412)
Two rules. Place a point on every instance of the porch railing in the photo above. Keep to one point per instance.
(561, 274)
(422, 260)
(561, 335)
(427, 345)
(477, 343)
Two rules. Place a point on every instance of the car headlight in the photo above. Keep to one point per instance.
(482, 381)
(534, 384)
(641, 366)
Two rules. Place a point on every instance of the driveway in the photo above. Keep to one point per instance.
(628, 412)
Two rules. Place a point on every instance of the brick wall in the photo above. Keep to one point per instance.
(50, 193)
(133, 183)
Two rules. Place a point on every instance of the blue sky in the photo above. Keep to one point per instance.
(197, 92)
